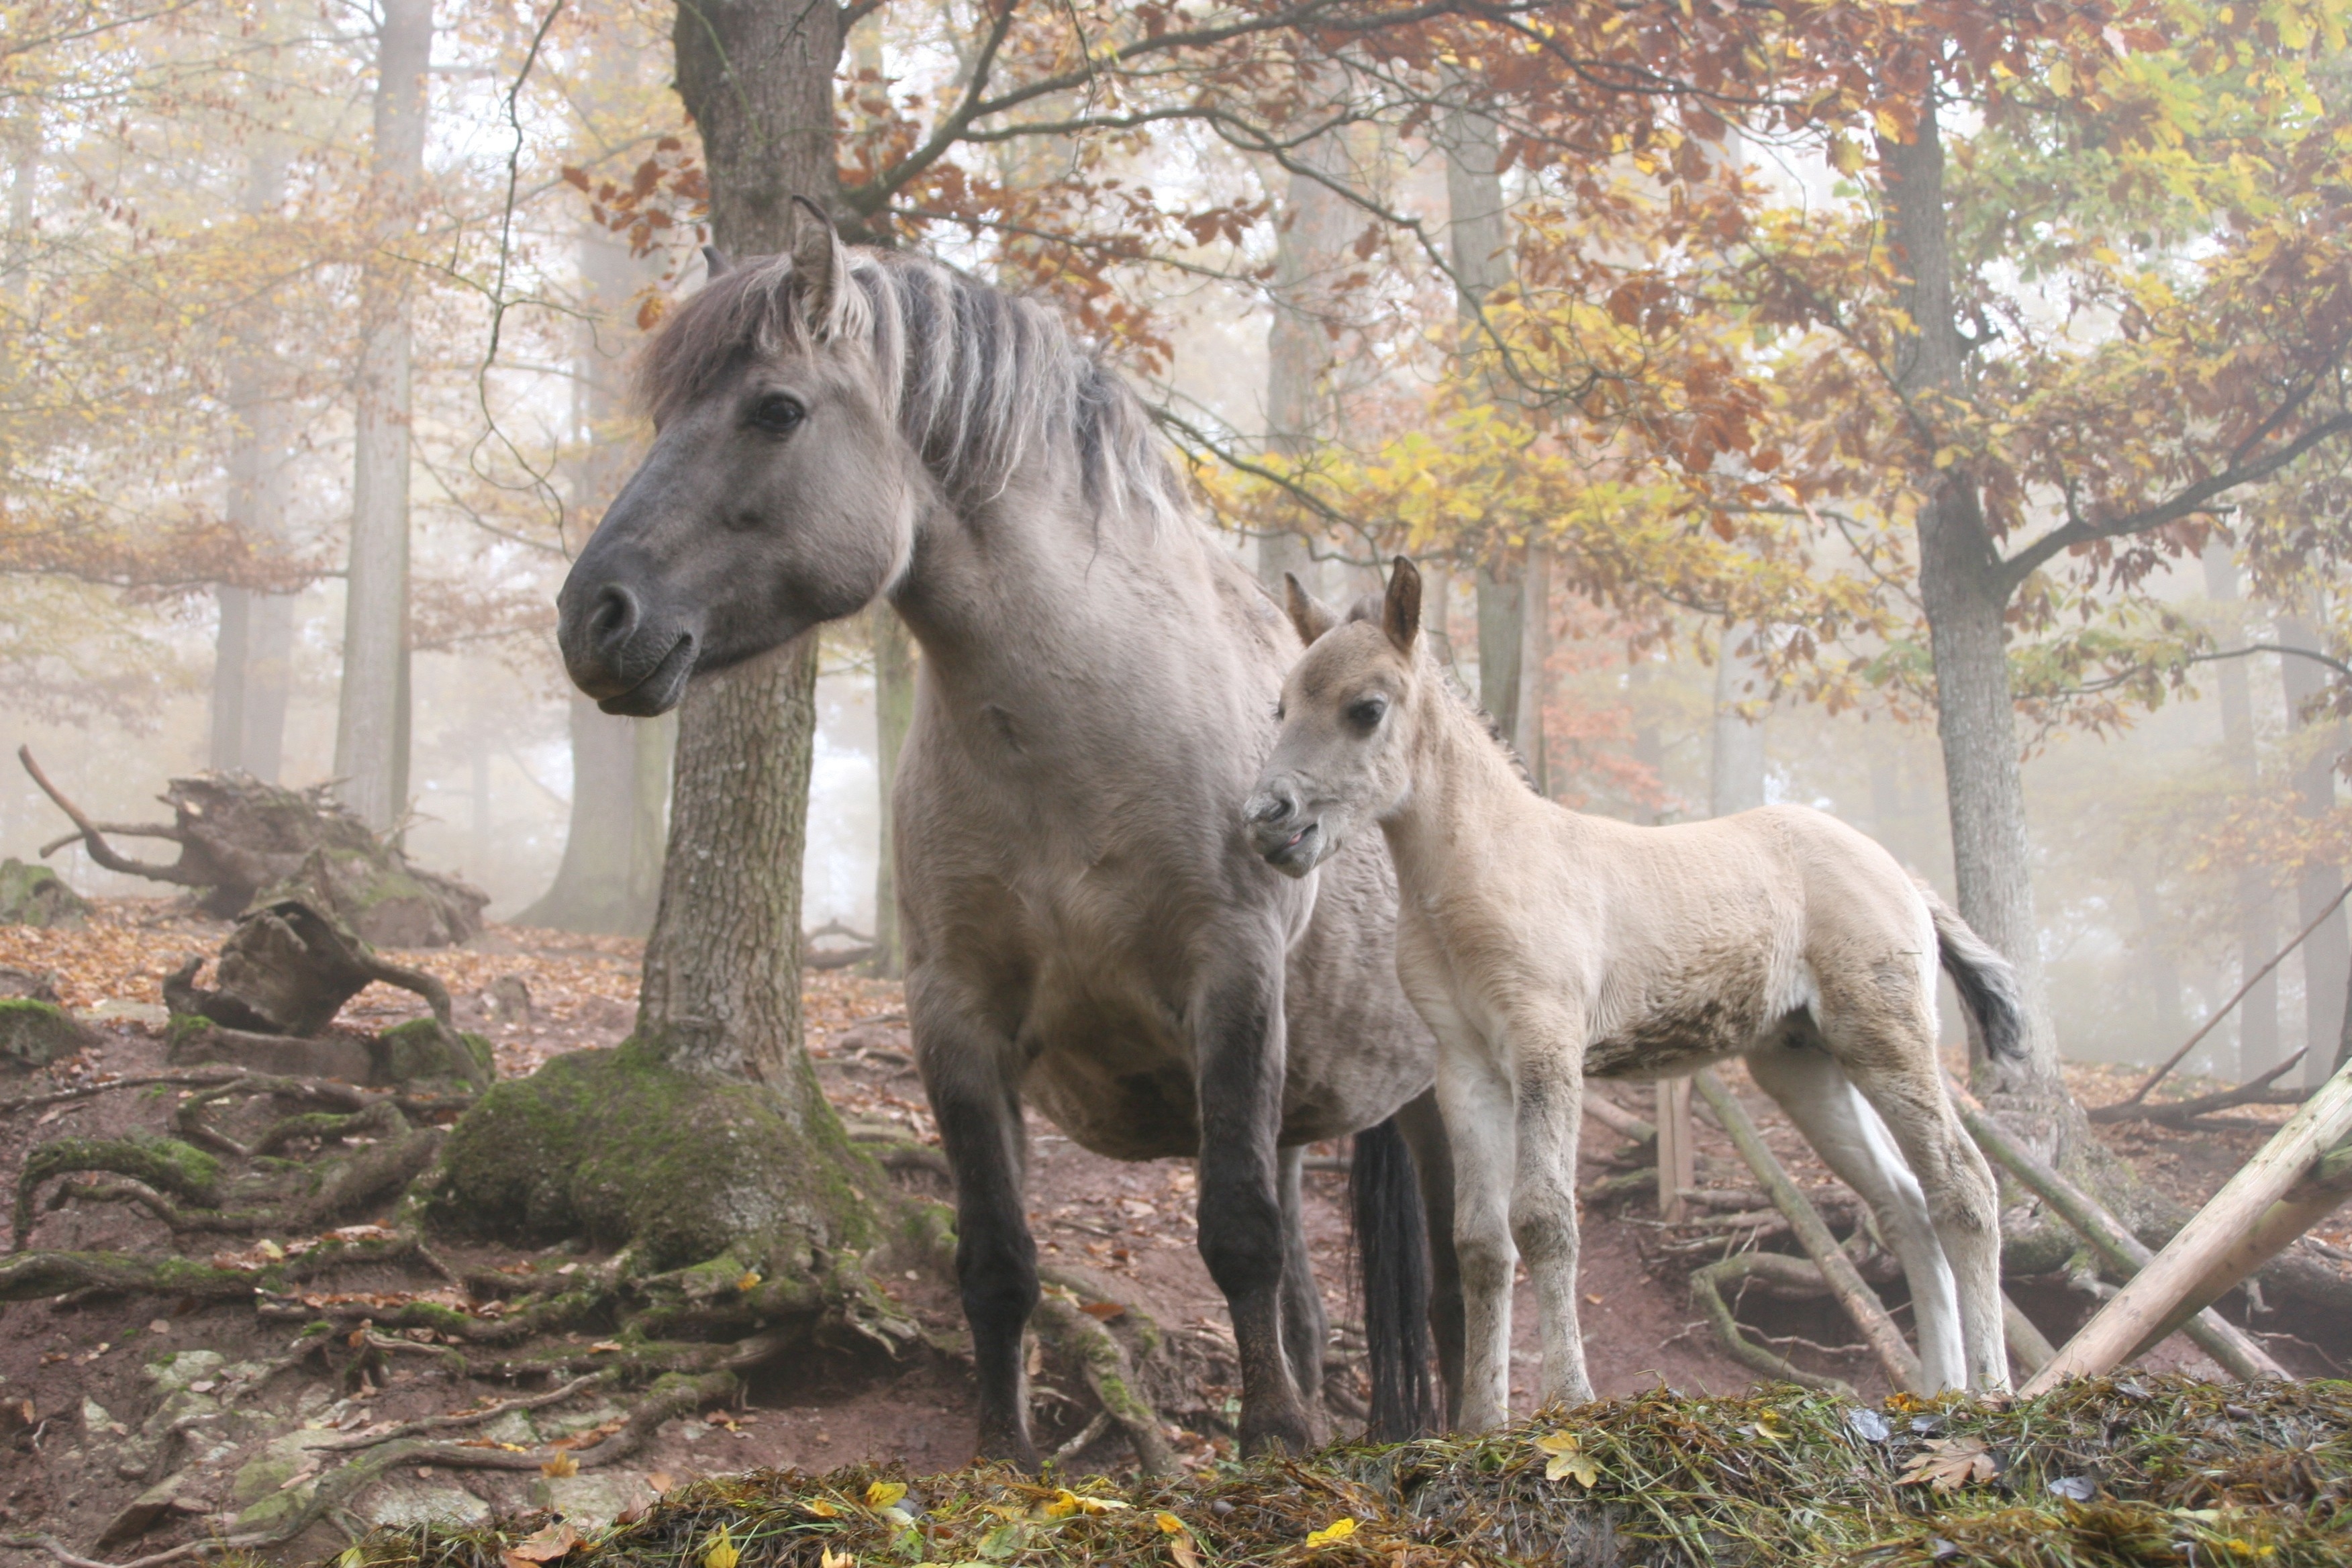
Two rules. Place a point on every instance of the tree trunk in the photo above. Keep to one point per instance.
(250, 673)
(2257, 1016)
(1535, 655)
(2327, 953)
(610, 877)
(371, 728)
(1965, 598)
(1736, 772)
(1311, 236)
(894, 714)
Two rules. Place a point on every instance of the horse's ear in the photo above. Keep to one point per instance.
(1310, 616)
(1400, 611)
(715, 263)
(820, 268)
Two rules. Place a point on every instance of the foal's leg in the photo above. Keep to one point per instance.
(1433, 1160)
(1548, 1065)
(967, 1065)
(1808, 1085)
(1238, 1048)
(1898, 1072)
(1476, 1098)
(1305, 1328)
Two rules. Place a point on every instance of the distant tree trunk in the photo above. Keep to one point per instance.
(894, 714)
(2258, 1016)
(1965, 598)
(1535, 655)
(722, 992)
(371, 722)
(2326, 954)
(250, 668)
(1478, 237)
(1311, 235)
(1736, 772)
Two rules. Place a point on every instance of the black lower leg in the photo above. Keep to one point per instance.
(1432, 1158)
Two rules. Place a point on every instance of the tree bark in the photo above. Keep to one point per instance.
(1311, 236)
(1966, 597)
(372, 727)
(1535, 655)
(2258, 1015)
(2327, 953)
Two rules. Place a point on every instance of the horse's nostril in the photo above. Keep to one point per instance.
(614, 617)
(1273, 808)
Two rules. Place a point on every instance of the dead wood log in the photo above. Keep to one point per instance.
(240, 838)
(2210, 1251)
(1861, 1303)
(2123, 1253)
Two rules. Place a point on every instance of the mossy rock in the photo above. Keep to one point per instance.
(36, 896)
(620, 1148)
(35, 1033)
(420, 1052)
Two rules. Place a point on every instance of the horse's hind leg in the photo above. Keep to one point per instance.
(1433, 1159)
(966, 1067)
(1305, 1328)
(1813, 1090)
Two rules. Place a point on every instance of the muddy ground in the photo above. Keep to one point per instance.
(130, 1423)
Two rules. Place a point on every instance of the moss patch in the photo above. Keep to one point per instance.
(618, 1147)
(35, 1033)
(2161, 1471)
(419, 1052)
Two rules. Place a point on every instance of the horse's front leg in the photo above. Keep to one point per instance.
(1238, 1048)
(1473, 1092)
(1548, 1057)
(968, 1072)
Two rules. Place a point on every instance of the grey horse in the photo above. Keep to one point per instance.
(1088, 927)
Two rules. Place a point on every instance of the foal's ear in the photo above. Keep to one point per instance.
(1308, 615)
(820, 268)
(1400, 611)
(715, 263)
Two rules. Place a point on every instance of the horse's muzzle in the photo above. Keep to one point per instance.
(618, 648)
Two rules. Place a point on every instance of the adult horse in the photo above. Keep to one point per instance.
(1087, 925)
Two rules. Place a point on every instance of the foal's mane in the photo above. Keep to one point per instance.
(981, 381)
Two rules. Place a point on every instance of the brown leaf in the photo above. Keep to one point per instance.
(1949, 1464)
(560, 1465)
(1106, 1311)
(547, 1545)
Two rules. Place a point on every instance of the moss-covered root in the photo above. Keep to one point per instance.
(169, 1166)
(619, 1147)
(1785, 1274)
(1108, 1372)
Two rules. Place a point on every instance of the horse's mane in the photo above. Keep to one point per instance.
(980, 381)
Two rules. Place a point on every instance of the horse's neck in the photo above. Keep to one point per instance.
(1466, 796)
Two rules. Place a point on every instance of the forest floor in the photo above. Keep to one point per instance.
(104, 1397)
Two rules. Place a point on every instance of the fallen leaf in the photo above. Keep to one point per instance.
(882, 1494)
(547, 1545)
(1768, 1427)
(1949, 1464)
(831, 1559)
(720, 1551)
(1567, 1458)
(1168, 1522)
(606, 1345)
(1105, 1310)
(1337, 1529)
(560, 1465)
(820, 1508)
(1066, 1502)
(749, 1282)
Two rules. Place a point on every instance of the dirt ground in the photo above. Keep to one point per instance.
(128, 1424)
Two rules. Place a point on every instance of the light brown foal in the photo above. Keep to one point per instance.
(1544, 945)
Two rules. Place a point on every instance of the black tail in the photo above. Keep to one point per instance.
(1392, 1251)
(1986, 985)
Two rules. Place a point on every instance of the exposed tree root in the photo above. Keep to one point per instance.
(1784, 1275)
(1109, 1374)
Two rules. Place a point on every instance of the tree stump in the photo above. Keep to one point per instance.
(36, 896)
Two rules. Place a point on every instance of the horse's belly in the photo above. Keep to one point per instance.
(1117, 1083)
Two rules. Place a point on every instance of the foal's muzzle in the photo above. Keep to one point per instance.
(1290, 839)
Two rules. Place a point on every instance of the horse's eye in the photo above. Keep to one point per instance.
(778, 413)
(1365, 714)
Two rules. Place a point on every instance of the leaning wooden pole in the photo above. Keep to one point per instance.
(2211, 1247)
(1861, 1303)
(2124, 1253)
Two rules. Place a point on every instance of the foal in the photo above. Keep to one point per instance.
(1543, 945)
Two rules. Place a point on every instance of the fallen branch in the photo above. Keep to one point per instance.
(1837, 1270)
(1777, 1268)
(137, 1080)
(2116, 1247)
(2212, 1251)
(2175, 1059)
(2181, 1112)
(1619, 1119)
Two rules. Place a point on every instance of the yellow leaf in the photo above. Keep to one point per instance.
(1567, 1458)
(831, 1559)
(562, 1465)
(820, 1508)
(1337, 1529)
(721, 1551)
(1768, 1427)
(1066, 1502)
(882, 1494)
(750, 1280)
(1168, 1522)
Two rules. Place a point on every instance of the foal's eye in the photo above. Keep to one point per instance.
(1365, 713)
(778, 413)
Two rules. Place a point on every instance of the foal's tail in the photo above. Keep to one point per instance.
(1986, 985)
(1393, 1249)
